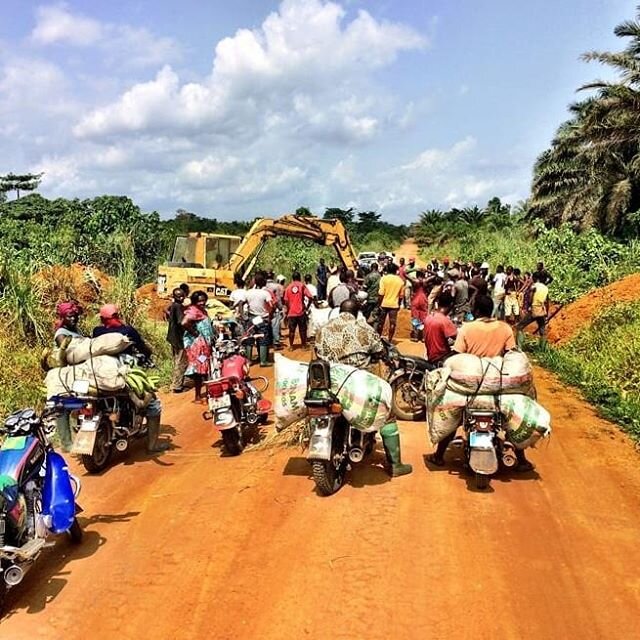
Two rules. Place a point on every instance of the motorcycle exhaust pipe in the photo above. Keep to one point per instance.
(13, 575)
(122, 444)
(356, 454)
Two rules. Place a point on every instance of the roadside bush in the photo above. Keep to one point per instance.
(602, 361)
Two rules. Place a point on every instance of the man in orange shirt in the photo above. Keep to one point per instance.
(390, 292)
(484, 337)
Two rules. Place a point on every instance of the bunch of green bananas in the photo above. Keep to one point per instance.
(141, 381)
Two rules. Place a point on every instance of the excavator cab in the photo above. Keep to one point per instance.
(202, 261)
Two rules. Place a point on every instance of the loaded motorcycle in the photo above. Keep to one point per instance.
(333, 443)
(406, 375)
(235, 403)
(37, 495)
(485, 449)
(105, 420)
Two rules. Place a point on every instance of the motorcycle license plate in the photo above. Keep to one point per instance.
(219, 403)
(89, 425)
(481, 440)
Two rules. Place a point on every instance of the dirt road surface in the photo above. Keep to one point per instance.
(192, 544)
(195, 545)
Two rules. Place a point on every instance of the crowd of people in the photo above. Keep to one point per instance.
(455, 308)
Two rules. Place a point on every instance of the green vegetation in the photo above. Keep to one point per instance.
(579, 261)
(590, 176)
(602, 361)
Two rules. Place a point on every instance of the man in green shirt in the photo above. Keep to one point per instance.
(371, 286)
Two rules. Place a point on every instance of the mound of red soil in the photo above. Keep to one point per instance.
(580, 313)
(75, 282)
(148, 293)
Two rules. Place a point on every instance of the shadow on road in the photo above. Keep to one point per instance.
(47, 578)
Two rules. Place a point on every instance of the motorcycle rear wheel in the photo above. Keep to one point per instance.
(413, 408)
(482, 481)
(98, 460)
(329, 475)
(232, 441)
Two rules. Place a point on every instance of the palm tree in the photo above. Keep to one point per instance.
(591, 174)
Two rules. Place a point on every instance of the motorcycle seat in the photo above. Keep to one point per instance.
(416, 362)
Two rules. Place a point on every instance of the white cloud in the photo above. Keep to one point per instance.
(119, 43)
(56, 24)
(303, 69)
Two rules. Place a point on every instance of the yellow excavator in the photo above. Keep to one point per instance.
(209, 261)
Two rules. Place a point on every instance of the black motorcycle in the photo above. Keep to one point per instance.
(37, 495)
(406, 375)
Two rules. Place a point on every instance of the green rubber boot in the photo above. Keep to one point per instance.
(264, 356)
(391, 442)
(153, 433)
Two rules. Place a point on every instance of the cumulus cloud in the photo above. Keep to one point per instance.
(119, 43)
(56, 24)
(303, 56)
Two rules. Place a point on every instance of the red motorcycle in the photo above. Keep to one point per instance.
(235, 401)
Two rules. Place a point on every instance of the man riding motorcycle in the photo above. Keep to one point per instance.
(484, 337)
(348, 341)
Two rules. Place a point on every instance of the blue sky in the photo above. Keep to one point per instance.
(250, 108)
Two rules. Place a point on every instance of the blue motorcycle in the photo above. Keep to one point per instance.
(37, 495)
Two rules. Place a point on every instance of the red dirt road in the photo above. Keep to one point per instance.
(194, 545)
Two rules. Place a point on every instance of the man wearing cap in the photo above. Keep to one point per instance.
(111, 323)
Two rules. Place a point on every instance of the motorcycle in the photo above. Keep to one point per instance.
(37, 495)
(406, 375)
(333, 443)
(485, 449)
(105, 421)
(235, 403)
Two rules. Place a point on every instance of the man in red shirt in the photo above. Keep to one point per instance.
(296, 300)
(439, 331)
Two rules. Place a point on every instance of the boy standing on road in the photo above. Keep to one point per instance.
(175, 333)
(538, 311)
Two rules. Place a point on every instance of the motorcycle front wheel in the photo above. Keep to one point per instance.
(101, 454)
(405, 401)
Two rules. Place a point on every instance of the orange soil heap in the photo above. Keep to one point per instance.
(148, 293)
(77, 282)
(579, 313)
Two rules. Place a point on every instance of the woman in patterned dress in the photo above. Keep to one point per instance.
(198, 338)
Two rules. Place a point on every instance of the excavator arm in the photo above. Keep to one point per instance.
(329, 233)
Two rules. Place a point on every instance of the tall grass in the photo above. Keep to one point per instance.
(21, 303)
(602, 361)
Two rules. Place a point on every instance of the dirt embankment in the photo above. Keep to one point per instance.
(75, 282)
(578, 314)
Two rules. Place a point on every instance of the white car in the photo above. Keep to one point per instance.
(367, 258)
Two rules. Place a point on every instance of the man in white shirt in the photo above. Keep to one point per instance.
(260, 305)
(498, 281)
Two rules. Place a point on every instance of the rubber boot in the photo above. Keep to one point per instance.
(264, 355)
(153, 433)
(391, 442)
